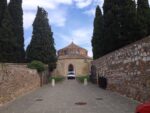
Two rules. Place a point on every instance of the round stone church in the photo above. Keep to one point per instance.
(73, 58)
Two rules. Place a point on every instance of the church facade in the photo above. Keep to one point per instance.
(73, 58)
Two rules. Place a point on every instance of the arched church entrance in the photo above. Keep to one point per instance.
(70, 68)
(71, 72)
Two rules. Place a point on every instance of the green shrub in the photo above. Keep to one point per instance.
(81, 78)
(38, 65)
(57, 78)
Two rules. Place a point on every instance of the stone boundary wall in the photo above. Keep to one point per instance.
(16, 80)
(127, 70)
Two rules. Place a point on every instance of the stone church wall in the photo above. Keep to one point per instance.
(81, 67)
(127, 70)
(16, 80)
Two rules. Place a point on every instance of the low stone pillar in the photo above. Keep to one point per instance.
(53, 82)
(85, 81)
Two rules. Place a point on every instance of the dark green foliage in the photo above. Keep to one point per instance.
(38, 65)
(97, 38)
(3, 5)
(16, 12)
(7, 39)
(111, 25)
(116, 28)
(143, 18)
(52, 65)
(41, 46)
(119, 23)
(128, 32)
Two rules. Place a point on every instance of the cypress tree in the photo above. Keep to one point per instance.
(128, 20)
(97, 34)
(143, 18)
(3, 5)
(119, 24)
(41, 46)
(16, 12)
(7, 39)
(111, 25)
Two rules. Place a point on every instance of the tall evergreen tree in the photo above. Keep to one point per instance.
(41, 46)
(119, 23)
(128, 20)
(16, 12)
(3, 5)
(111, 25)
(143, 18)
(7, 39)
(97, 34)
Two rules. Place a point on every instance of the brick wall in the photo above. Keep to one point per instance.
(16, 80)
(127, 70)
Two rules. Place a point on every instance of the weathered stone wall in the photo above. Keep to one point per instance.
(128, 70)
(16, 80)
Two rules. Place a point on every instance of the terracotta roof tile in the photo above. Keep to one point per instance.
(72, 46)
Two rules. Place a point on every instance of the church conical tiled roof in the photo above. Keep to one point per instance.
(73, 51)
(73, 46)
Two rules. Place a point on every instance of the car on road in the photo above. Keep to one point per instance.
(71, 75)
(143, 108)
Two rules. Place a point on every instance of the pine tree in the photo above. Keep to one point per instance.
(7, 39)
(143, 16)
(3, 5)
(97, 34)
(16, 12)
(41, 46)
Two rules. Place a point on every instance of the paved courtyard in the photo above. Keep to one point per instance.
(62, 99)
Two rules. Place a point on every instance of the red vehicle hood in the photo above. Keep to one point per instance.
(141, 106)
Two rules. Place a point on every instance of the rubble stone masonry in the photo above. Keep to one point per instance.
(127, 70)
(16, 80)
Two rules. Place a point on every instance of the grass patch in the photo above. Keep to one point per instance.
(81, 78)
(57, 79)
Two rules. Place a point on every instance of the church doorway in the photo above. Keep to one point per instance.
(70, 68)
(71, 72)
